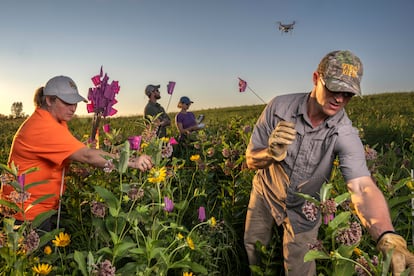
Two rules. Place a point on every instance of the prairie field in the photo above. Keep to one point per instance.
(186, 216)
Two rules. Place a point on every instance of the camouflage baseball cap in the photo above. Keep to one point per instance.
(342, 72)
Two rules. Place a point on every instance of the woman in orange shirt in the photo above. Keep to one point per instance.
(45, 142)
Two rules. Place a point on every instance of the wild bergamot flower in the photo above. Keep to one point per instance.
(42, 269)
(62, 240)
(157, 175)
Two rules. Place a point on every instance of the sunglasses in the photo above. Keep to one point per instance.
(346, 95)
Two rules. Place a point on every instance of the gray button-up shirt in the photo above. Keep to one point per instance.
(309, 159)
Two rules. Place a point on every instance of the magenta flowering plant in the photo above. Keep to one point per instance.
(168, 204)
(102, 99)
(135, 142)
(201, 214)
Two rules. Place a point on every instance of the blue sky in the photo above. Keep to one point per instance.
(204, 46)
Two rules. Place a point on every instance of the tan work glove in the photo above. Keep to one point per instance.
(401, 258)
(280, 138)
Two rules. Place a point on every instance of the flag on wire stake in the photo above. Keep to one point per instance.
(243, 85)
(170, 90)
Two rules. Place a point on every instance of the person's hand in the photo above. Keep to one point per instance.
(280, 138)
(401, 258)
(143, 163)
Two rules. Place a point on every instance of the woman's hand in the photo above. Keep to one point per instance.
(143, 163)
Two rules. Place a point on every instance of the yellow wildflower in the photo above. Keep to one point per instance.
(144, 145)
(157, 175)
(336, 162)
(42, 269)
(213, 221)
(190, 243)
(47, 250)
(165, 139)
(195, 157)
(188, 274)
(357, 251)
(180, 236)
(62, 240)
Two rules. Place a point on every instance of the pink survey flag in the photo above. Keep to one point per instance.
(242, 85)
(170, 87)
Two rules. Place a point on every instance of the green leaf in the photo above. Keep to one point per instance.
(39, 219)
(80, 260)
(124, 157)
(341, 218)
(40, 199)
(110, 200)
(315, 255)
(309, 198)
(122, 248)
(341, 198)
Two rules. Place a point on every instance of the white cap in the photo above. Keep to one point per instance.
(64, 88)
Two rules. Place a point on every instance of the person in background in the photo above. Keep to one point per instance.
(185, 120)
(45, 142)
(154, 109)
(293, 147)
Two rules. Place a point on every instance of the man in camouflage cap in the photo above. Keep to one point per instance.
(293, 147)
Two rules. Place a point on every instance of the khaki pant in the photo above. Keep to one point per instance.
(259, 223)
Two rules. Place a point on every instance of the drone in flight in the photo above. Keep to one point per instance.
(285, 28)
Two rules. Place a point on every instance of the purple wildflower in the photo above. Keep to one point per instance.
(201, 214)
(98, 209)
(169, 204)
(351, 235)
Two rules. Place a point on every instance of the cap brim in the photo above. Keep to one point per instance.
(338, 85)
(72, 99)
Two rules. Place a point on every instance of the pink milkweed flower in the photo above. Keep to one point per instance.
(173, 141)
(134, 142)
(201, 214)
(106, 128)
(169, 204)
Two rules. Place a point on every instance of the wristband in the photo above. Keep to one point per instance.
(384, 233)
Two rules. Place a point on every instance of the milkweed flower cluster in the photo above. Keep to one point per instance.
(370, 153)
(31, 242)
(317, 245)
(310, 210)
(105, 269)
(328, 209)
(362, 261)
(351, 235)
(135, 193)
(98, 209)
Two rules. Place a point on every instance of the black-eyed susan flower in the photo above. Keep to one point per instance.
(213, 221)
(187, 273)
(47, 250)
(42, 269)
(195, 157)
(190, 243)
(62, 240)
(157, 175)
